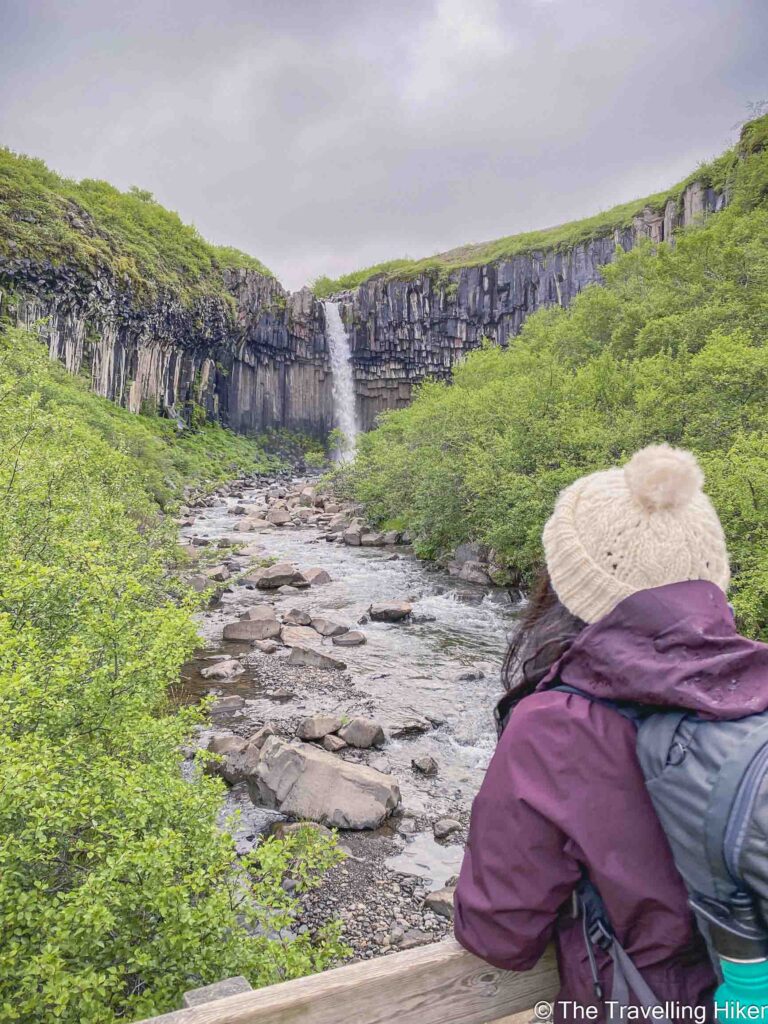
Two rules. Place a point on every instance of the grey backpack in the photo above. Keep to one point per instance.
(708, 781)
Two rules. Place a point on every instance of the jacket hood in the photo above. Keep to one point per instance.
(674, 646)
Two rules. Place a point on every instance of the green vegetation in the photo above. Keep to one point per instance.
(90, 225)
(117, 890)
(672, 347)
(717, 173)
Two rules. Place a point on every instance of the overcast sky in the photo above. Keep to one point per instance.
(325, 135)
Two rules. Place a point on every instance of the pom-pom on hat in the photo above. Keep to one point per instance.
(622, 530)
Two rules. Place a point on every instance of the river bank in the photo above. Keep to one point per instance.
(429, 681)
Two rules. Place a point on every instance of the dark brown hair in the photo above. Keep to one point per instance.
(544, 632)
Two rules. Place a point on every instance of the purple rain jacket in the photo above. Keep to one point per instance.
(564, 791)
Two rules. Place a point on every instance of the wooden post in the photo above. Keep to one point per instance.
(436, 984)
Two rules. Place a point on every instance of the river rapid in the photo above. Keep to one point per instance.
(440, 668)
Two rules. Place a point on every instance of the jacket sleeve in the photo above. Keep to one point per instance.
(516, 873)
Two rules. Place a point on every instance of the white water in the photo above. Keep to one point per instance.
(343, 381)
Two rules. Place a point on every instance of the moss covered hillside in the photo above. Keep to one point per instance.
(92, 226)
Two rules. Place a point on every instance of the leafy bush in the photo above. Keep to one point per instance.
(671, 347)
(117, 889)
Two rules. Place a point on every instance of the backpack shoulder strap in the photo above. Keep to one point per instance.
(598, 933)
(635, 713)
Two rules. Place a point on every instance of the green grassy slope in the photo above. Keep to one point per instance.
(672, 347)
(118, 891)
(92, 225)
(561, 236)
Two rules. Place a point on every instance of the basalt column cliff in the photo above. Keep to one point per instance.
(404, 329)
(120, 289)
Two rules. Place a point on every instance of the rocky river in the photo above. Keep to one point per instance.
(350, 662)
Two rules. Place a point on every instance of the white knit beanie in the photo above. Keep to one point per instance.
(622, 530)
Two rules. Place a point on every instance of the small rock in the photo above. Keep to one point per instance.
(441, 902)
(326, 627)
(318, 726)
(333, 743)
(425, 765)
(226, 743)
(260, 613)
(301, 635)
(199, 583)
(252, 629)
(266, 646)
(278, 516)
(226, 704)
(279, 575)
(372, 540)
(475, 572)
(363, 733)
(312, 658)
(391, 611)
(261, 736)
(470, 675)
(445, 827)
(317, 576)
(410, 727)
(217, 573)
(351, 536)
(352, 638)
(297, 617)
(223, 670)
(282, 829)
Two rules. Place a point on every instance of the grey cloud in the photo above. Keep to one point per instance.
(323, 135)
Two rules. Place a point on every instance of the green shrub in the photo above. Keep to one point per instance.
(671, 347)
(117, 889)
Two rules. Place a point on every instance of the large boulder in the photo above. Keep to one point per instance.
(306, 782)
(283, 574)
(390, 611)
(362, 733)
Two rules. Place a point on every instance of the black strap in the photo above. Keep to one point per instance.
(635, 713)
(598, 933)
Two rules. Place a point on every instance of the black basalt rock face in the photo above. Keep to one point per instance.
(405, 329)
(255, 356)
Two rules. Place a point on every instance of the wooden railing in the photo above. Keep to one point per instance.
(437, 984)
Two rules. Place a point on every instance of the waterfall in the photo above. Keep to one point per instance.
(343, 381)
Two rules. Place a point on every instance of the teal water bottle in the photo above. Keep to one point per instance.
(741, 942)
